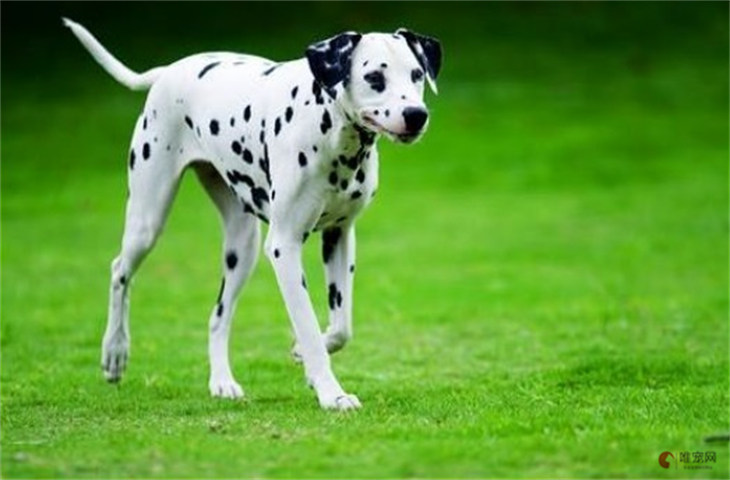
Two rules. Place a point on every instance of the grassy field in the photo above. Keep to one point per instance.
(542, 285)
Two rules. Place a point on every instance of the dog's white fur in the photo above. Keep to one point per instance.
(266, 141)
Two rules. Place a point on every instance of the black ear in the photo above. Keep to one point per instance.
(426, 49)
(329, 60)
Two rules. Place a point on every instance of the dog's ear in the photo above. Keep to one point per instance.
(428, 52)
(329, 60)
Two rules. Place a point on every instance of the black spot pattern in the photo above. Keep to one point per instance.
(416, 75)
(317, 91)
(289, 113)
(360, 175)
(334, 297)
(271, 69)
(236, 147)
(356, 194)
(214, 127)
(302, 159)
(144, 124)
(247, 113)
(330, 238)
(146, 151)
(219, 311)
(123, 280)
(247, 156)
(304, 282)
(333, 178)
(294, 92)
(207, 68)
(277, 126)
(231, 260)
(376, 80)
(189, 122)
(132, 157)
(352, 268)
(326, 122)
(276, 253)
(259, 196)
(343, 184)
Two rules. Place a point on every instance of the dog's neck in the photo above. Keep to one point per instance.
(347, 142)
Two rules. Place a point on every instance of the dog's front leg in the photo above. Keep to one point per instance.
(338, 255)
(284, 250)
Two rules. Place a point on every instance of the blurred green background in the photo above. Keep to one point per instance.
(542, 281)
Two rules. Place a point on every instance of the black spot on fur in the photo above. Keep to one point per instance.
(305, 236)
(247, 113)
(289, 113)
(352, 268)
(232, 122)
(341, 219)
(326, 122)
(376, 80)
(189, 122)
(214, 127)
(247, 156)
(334, 297)
(236, 147)
(330, 238)
(387, 113)
(343, 184)
(122, 280)
(277, 126)
(276, 253)
(294, 92)
(356, 194)
(273, 195)
(259, 196)
(231, 260)
(144, 124)
(333, 178)
(132, 157)
(302, 159)
(314, 149)
(317, 91)
(197, 130)
(271, 69)
(219, 311)
(235, 177)
(360, 175)
(304, 282)
(207, 68)
(146, 151)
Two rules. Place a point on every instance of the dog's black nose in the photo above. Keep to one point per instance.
(415, 118)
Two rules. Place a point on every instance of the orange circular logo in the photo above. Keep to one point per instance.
(663, 459)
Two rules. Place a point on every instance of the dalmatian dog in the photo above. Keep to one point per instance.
(287, 143)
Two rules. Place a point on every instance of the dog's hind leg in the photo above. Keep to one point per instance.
(153, 181)
(240, 250)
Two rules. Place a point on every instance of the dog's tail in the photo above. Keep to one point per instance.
(115, 68)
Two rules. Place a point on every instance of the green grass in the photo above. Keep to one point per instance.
(542, 286)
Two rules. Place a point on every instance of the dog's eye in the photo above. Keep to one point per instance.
(416, 75)
(376, 80)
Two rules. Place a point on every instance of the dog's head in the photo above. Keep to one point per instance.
(381, 77)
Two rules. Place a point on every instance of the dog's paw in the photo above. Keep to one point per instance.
(343, 402)
(225, 388)
(114, 356)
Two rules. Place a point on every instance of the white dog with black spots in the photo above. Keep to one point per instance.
(291, 144)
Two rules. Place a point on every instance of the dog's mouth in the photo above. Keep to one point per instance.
(373, 125)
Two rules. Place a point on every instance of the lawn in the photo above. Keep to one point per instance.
(542, 283)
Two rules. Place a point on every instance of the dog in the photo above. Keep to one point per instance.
(289, 143)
